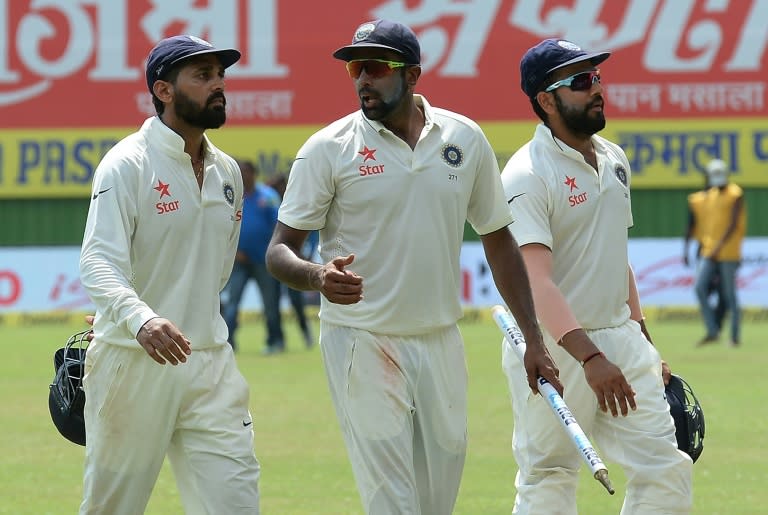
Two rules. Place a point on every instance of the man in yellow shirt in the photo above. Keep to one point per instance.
(696, 202)
(722, 225)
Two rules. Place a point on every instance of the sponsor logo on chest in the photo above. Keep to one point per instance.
(369, 154)
(574, 199)
(165, 206)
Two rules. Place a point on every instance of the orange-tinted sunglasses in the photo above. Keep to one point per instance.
(374, 68)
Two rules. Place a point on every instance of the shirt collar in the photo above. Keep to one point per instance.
(543, 133)
(170, 141)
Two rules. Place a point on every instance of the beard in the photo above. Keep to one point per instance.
(385, 106)
(205, 117)
(580, 120)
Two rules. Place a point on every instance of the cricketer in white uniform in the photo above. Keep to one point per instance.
(390, 189)
(569, 193)
(158, 248)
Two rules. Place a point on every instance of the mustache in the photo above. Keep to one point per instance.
(597, 100)
(366, 92)
(217, 96)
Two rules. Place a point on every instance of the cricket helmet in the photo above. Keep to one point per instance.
(688, 416)
(66, 398)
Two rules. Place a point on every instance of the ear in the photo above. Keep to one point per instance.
(546, 101)
(163, 90)
(412, 74)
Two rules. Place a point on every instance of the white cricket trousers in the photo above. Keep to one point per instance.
(401, 402)
(137, 411)
(643, 443)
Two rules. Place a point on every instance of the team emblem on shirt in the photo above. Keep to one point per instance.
(229, 193)
(621, 174)
(452, 155)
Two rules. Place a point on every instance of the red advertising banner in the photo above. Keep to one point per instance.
(79, 63)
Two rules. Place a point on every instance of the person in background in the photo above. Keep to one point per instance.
(390, 188)
(260, 205)
(296, 297)
(722, 221)
(158, 247)
(693, 232)
(568, 190)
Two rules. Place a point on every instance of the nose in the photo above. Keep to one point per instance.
(217, 82)
(363, 79)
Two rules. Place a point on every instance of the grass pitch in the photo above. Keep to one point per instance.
(304, 464)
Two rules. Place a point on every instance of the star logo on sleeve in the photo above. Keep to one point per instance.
(571, 181)
(162, 188)
(368, 153)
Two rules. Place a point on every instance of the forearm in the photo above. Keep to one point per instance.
(514, 286)
(635, 308)
(558, 319)
(286, 265)
(106, 269)
(511, 279)
(635, 311)
(552, 307)
(105, 274)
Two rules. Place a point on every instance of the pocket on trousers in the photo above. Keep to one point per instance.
(112, 388)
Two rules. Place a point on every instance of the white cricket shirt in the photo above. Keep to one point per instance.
(558, 200)
(400, 211)
(154, 243)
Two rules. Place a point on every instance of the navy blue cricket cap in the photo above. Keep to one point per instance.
(170, 51)
(548, 56)
(383, 34)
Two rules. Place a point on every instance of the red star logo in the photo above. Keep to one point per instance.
(367, 153)
(571, 181)
(162, 188)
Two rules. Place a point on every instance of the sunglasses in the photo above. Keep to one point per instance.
(375, 68)
(581, 81)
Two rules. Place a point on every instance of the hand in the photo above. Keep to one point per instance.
(89, 320)
(163, 341)
(538, 362)
(609, 385)
(666, 372)
(336, 283)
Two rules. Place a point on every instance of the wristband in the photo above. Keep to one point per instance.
(598, 353)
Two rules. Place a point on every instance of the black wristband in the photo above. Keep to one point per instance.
(598, 353)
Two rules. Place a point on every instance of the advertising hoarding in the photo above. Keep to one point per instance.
(686, 80)
(44, 279)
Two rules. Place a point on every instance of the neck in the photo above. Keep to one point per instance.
(196, 152)
(407, 123)
(579, 142)
(192, 136)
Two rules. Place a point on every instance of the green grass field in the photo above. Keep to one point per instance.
(304, 464)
